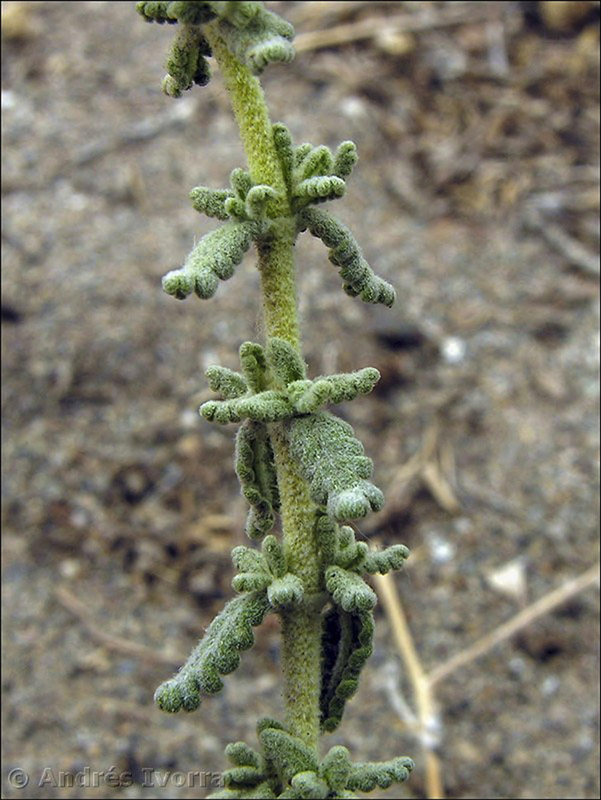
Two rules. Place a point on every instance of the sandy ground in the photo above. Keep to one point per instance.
(477, 196)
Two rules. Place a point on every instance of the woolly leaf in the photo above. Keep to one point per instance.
(335, 768)
(225, 381)
(308, 397)
(257, 199)
(192, 13)
(353, 556)
(288, 754)
(312, 174)
(322, 187)
(186, 64)
(220, 412)
(262, 791)
(346, 537)
(345, 159)
(326, 537)
(254, 366)
(337, 545)
(285, 591)
(382, 561)
(154, 11)
(213, 258)
(239, 777)
(241, 182)
(349, 590)
(267, 570)
(268, 406)
(287, 767)
(317, 161)
(308, 786)
(334, 464)
(240, 13)
(264, 38)
(268, 722)
(235, 208)
(256, 472)
(346, 646)
(273, 555)
(282, 140)
(300, 395)
(180, 284)
(245, 559)
(284, 361)
(356, 502)
(301, 152)
(359, 279)
(216, 654)
(210, 202)
(241, 755)
(366, 776)
(251, 581)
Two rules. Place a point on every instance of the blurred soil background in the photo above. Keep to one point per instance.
(477, 195)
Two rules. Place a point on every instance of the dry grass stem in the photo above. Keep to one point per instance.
(434, 464)
(405, 23)
(426, 712)
(575, 252)
(539, 608)
(68, 600)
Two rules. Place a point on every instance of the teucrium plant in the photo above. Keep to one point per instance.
(294, 458)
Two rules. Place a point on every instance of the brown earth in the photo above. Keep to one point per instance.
(477, 196)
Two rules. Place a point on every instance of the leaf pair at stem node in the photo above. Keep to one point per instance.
(286, 768)
(312, 175)
(329, 456)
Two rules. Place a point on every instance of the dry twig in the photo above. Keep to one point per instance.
(142, 131)
(432, 463)
(68, 600)
(427, 717)
(405, 23)
(575, 252)
(539, 608)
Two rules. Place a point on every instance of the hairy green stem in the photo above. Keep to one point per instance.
(250, 111)
(301, 626)
(278, 285)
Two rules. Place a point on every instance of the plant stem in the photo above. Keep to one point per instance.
(250, 111)
(301, 625)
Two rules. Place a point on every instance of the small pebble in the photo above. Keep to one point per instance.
(70, 568)
(550, 685)
(453, 349)
(517, 666)
(9, 100)
(441, 550)
(353, 107)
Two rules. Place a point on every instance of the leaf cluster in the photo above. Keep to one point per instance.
(348, 625)
(267, 570)
(328, 455)
(312, 175)
(256, 36)
(248, 395)
(286, 768)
